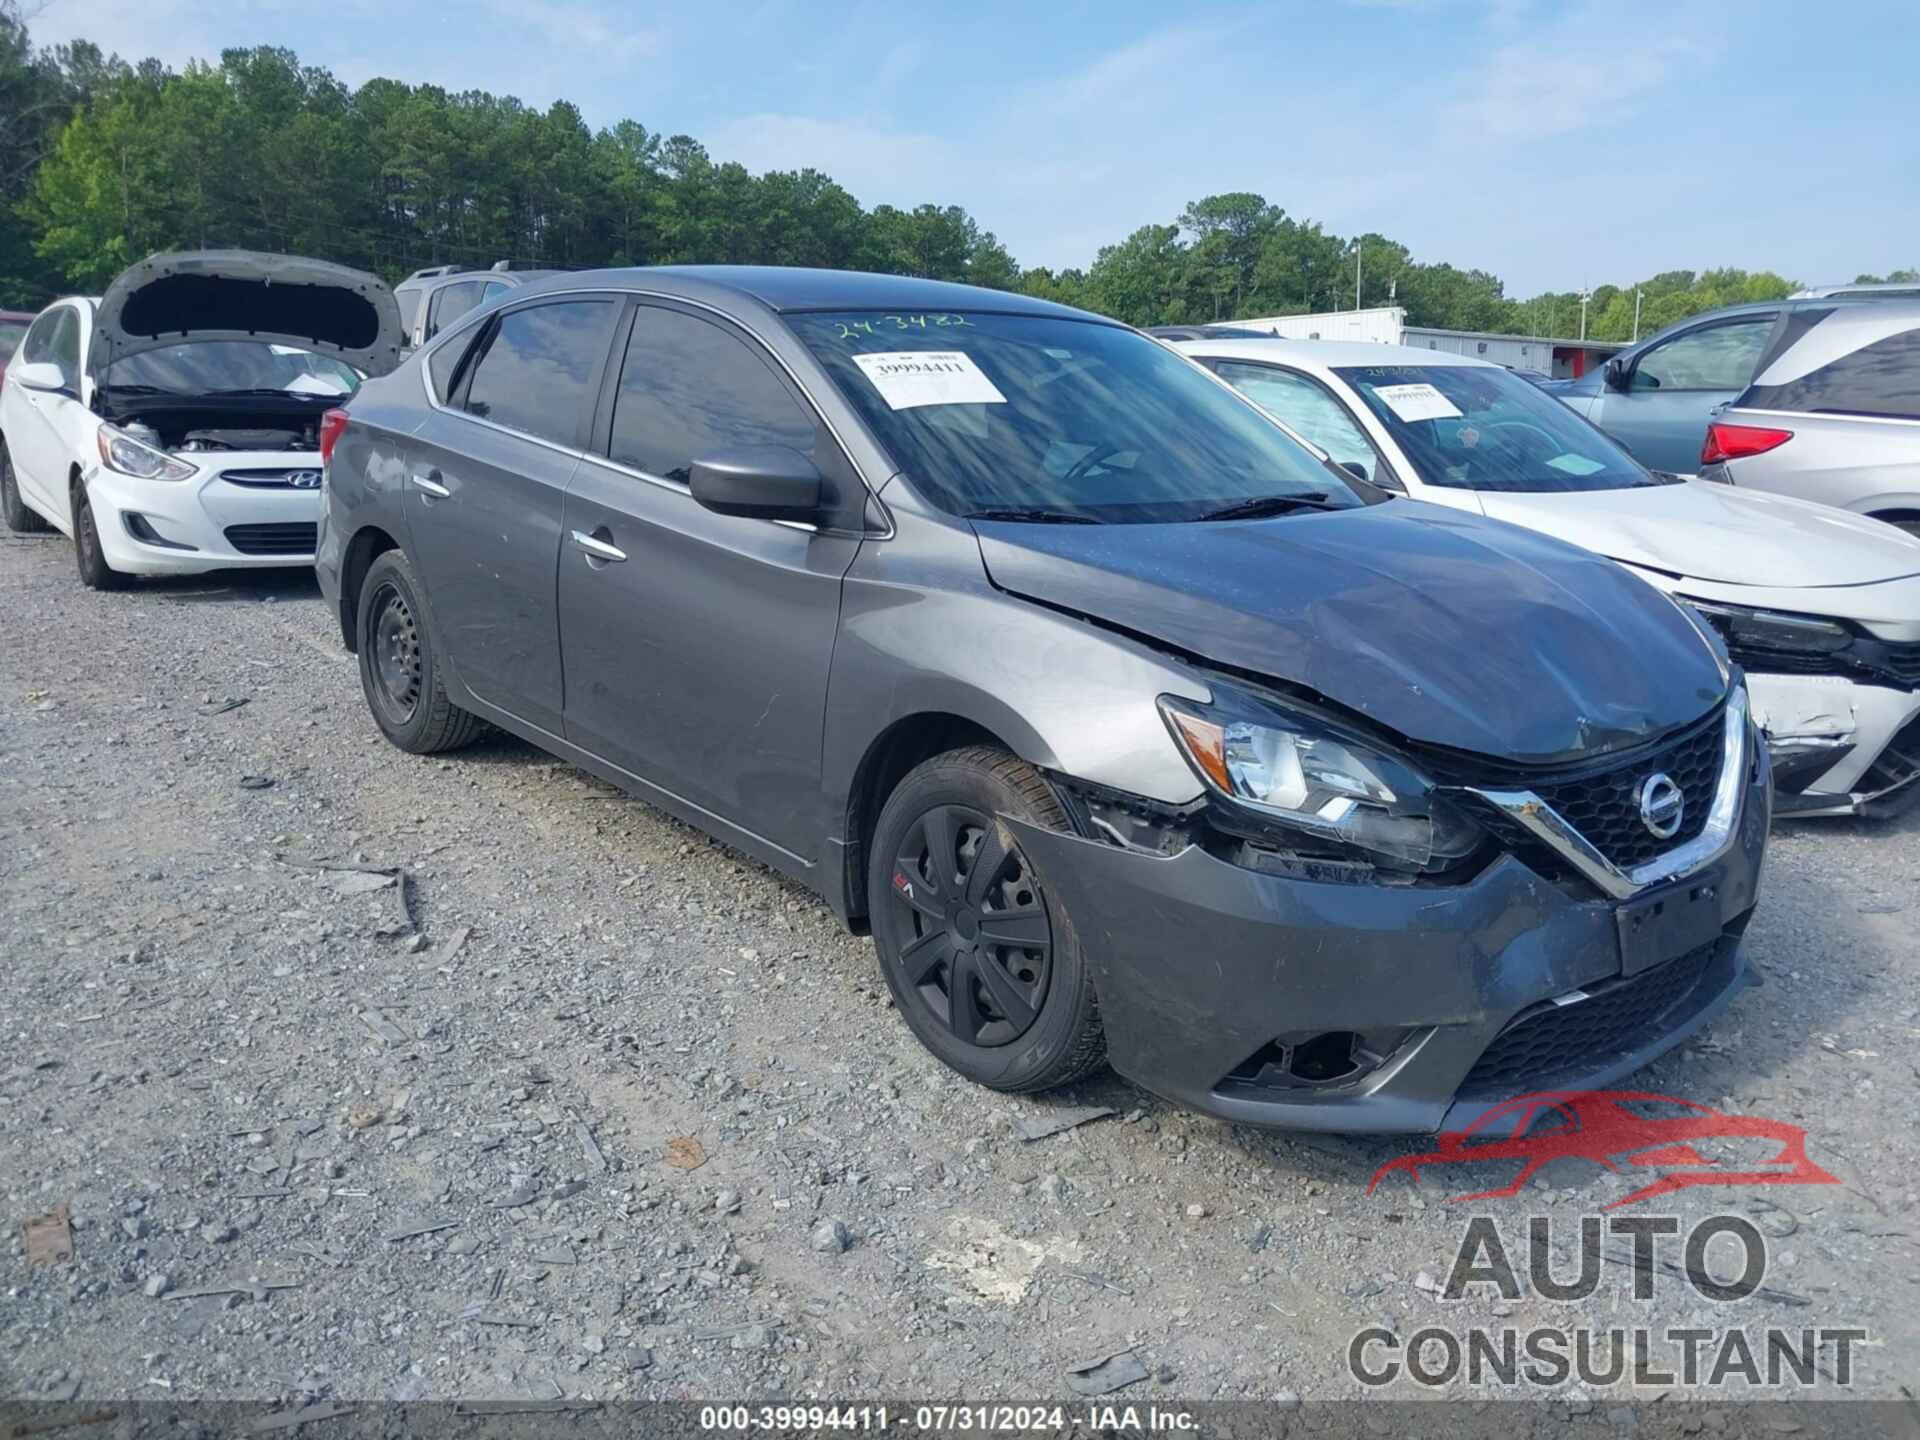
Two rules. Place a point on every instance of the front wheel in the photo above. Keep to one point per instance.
(95, 571)
(398, 670)
(983, 964)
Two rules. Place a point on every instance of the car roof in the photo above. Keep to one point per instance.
(1324, 354)
(796, 289)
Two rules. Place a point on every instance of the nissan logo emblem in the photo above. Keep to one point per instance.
(1662, 806)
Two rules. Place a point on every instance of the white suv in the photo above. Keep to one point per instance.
(175, 424)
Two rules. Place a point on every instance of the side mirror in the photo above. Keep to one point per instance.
(42, 375)
(1355, 469)
(760, 482)
(1618, 374)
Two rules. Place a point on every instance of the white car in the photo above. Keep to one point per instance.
(1821, 607)
(175, 425)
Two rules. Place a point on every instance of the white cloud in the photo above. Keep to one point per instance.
(1576, 74)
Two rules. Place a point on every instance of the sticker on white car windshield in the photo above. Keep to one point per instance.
(1417, 402)
(1572, 464)
(910, 378)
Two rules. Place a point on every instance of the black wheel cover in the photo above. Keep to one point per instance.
(970, 926)
(393, 637)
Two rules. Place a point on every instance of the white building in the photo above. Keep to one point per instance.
(1387, 325)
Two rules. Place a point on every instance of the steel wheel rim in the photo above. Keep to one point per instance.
(976, 943)
(394, 641)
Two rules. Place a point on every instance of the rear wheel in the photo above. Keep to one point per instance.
(95, 572)
(984, 967)
(398, 670)
(20, 519)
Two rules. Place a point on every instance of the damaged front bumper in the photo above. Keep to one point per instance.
(1365, 1007)
(1840, 747)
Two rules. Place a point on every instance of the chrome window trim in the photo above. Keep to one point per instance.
(1546, 824)
(478, 317)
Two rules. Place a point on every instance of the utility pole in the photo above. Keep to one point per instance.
(1585, 295)
(1636, 312)
(1359, 249)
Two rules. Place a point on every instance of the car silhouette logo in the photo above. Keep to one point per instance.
(1623, 1131)
(1662, 806)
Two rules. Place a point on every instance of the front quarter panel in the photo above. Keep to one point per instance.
(923, 632)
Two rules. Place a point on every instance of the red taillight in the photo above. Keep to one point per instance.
(333, 425)
(1736, 442)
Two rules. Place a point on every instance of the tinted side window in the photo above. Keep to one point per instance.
(449, 303)
(443, 366)
(689, 389)
(1307, 409)
(1720, 357)
(537, 366)
(1882, 378)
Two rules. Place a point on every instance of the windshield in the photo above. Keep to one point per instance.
(229, 367)
(1477, 427)
(1025, 417)
(11, 334)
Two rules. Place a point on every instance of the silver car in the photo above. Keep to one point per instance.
(1832, 414)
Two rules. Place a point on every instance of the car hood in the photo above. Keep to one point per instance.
(1719, 533)
(1441, 626)
(247, 295)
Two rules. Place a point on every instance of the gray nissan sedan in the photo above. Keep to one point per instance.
(1132, 728)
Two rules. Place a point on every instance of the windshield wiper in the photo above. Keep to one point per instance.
(136, 389)
(1038, 517)
(1270, 505)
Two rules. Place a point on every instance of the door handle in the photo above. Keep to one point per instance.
(596, 548)
(431, 487)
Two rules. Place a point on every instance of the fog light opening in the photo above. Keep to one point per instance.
(1326, 1058)
(141, 529)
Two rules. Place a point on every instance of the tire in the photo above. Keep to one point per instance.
(398, 670)
(20, 519)
(91, 560)
(1027, 1017)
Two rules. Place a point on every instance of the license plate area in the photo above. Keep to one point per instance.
(1669, 923)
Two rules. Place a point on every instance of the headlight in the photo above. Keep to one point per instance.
(1750, 630)
(121, 453)
(1298, 772)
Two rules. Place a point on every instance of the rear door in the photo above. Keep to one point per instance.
(489, 473)
(698, 660)
(1674, 387)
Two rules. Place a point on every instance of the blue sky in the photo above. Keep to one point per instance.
(1556, 144)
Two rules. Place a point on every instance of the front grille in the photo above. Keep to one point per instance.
(1605, 807)
(273, 539)
(296, 477)
(1552, 1044)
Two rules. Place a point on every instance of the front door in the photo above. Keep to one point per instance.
(45, 427)
(698, 645)
(1674, 388)
(485, 489)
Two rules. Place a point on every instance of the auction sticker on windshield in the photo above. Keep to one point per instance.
(1417, 402)
(907, 379)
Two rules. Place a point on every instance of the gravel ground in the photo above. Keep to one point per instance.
(581, 1103)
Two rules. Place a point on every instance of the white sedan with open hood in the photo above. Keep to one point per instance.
(177, 424)
(1820, 606)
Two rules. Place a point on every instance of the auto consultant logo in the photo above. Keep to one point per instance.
(1676, 1145)
(1626, 1132)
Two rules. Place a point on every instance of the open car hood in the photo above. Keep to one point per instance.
(1719, 533)
(1443, 627)
(247, 295)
